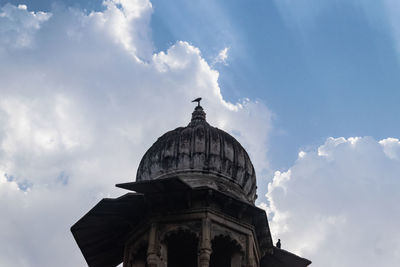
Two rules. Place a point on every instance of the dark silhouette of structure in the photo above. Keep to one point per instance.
(192, 205)
(197, 100)
(278, 244)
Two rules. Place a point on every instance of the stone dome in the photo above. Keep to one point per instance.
(201, 155)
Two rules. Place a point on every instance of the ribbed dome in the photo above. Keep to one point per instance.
(202, 155)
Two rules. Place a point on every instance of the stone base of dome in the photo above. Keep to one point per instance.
(197, 179)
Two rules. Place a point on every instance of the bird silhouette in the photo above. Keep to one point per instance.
(198, 101)
(278, 244)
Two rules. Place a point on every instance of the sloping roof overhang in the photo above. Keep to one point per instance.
(101, 233)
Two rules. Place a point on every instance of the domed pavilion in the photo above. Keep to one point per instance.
(192, 205)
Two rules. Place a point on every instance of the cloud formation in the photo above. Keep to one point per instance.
(83, 96)
(337, 205)
(18, 25)
(222, 56)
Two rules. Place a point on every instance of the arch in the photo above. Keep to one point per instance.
(226, 252)
(174, 229)
(181, 248)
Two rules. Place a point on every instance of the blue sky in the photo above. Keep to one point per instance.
(309, 87)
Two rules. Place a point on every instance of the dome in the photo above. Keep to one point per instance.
(201, 155)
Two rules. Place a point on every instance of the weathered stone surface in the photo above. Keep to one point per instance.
(200, 148)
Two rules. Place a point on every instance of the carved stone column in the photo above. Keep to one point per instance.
(205, 244)
(251, 260)
(152, 258)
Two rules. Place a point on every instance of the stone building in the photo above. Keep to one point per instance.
(192, 205)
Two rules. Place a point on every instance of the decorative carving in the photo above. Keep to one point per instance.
(204, 257)
(166, 230)
(201, 149)
(236, 237)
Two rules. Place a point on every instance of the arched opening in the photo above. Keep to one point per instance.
(182, 249)
(225, 253)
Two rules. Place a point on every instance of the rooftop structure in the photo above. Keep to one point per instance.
(192, 205)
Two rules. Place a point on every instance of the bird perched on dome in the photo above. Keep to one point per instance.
(198, 101)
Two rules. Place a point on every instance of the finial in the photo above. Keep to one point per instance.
(198, 101)
(198, 115)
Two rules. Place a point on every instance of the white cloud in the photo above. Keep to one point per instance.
(391, 147)
(18, 25)
(81, 101)
(337, 205)
(127, 22)
(222, 56)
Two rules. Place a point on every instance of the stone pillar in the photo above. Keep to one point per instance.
(236, 260)
(163, 255)
(152, 258)
(205, 244)
(251, 259)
